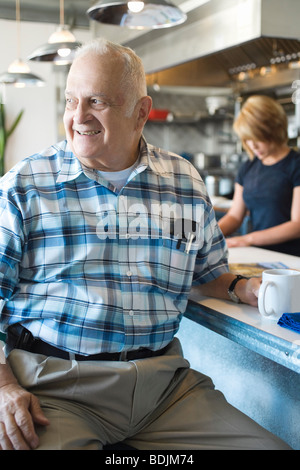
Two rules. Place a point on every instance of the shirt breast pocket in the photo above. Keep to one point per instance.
(178, 262)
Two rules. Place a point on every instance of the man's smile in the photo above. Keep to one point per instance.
(87, 132)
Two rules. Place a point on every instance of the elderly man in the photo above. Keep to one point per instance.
(101, 238)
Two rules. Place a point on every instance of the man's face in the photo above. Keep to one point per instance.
(98, 129)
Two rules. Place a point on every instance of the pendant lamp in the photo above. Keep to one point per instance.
(151, 14)
(60, 47)
(18, 73)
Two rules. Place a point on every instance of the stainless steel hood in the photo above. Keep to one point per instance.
(220, 39)
(221, 68)
(217, 26)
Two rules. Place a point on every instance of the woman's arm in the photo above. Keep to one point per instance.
(233, 219)
(273, 235)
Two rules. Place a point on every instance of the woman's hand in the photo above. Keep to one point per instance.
(242, 240)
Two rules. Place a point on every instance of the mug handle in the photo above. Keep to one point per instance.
(261, 299)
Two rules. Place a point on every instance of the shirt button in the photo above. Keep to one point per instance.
(131, 313)
(129, 273)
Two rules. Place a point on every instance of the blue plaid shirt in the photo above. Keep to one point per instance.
(88, 268)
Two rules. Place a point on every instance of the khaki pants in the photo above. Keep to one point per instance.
(157, 403)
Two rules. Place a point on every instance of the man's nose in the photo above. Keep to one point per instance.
(81, 113)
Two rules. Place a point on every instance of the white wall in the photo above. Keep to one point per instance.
(38, 127)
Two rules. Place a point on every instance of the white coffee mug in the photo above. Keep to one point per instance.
(279, 292)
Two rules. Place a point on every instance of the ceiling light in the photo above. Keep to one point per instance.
(151, 14)
(242, 76)
(135, 6)
(21, 79)
(60, 47)
(266, 70)
(18, 73)
(294, 65)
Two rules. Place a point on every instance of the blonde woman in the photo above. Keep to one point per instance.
(268, 184)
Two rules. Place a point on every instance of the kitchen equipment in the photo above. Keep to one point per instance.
(219, 185)
(159, 115)
(202, 161)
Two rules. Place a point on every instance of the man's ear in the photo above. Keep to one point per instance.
(144, 108)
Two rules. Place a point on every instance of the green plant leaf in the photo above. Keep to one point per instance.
(4, 134)
(2, 141)
(2, 149)
(14, 125)
(2, 116)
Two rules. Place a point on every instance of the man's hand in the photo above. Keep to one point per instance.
(19, 410)
(248, 290)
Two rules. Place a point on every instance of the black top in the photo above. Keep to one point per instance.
(268, 193)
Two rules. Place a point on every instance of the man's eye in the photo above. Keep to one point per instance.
(98, 103)
(70, 102)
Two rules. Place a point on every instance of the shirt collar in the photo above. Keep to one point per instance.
(71, 167)
(150, 157)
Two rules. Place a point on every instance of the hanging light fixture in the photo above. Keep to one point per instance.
(151, 14)
(18, 73)
(60, 47)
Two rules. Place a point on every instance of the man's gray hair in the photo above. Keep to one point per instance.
(133, 80)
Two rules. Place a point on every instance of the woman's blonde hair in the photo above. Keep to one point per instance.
(261, 119)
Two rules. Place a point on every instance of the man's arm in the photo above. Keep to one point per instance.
(245, 289)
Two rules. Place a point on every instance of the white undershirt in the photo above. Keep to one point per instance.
(118, 178)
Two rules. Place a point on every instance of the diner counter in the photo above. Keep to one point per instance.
(243, 323)
(251, 359)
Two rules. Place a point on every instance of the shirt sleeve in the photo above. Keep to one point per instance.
(11, 241)
(212, 257)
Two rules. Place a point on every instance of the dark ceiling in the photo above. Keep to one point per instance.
(48, 11)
